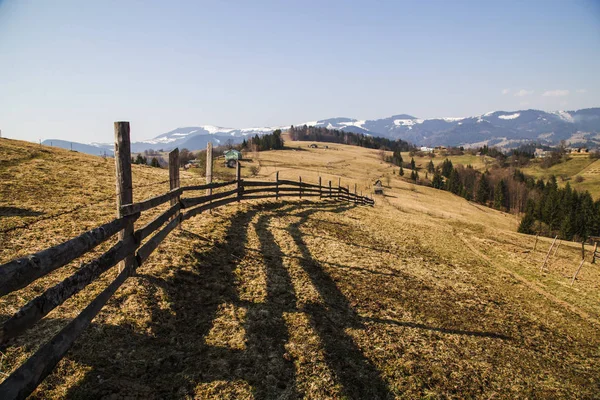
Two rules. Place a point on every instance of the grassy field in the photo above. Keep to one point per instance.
(478, 162)
(424, 295)
(577, 166)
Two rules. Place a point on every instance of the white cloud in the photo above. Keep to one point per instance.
(581, 90)
(555, 93)
(523, 92)
(524, 103)
(505, 91)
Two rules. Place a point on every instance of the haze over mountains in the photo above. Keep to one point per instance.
(506, 129)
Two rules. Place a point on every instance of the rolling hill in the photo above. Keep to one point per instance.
(423, 295)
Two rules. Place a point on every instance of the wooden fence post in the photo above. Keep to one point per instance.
(300, 180)
(556, 249)
(320, 193)
(548, 255)
(577, 272)
(583, 250)
(238, 177)
(348, 190)
(124, 181)
(174, 177)
(277, 185)
(209, 169)
(330, 189)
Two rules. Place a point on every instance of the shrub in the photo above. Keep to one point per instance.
(254, 170)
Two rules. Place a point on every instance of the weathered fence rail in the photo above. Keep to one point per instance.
(131, 251)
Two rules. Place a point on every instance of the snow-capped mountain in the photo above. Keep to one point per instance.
(506, 129)
(196, 137)
(499, 128)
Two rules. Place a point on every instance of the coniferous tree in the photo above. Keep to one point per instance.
(447, 168)
(483, 190)
(526, 225)
(500, 195)
(437, 181)
(453, 183)
(401, 171)
(139, 159)
(413, 165)
(430, 166)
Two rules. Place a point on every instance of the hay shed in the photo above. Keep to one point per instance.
(378, 188)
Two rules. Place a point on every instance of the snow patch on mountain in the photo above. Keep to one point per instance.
(358, 124)
(511, 116)
(216, 129)
(407, 122)
(564, 115)
(162, 140)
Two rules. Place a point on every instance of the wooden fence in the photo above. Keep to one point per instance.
(130, 252)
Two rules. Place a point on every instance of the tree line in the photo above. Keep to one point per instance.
(321, 134)
(271, 141)
(561, 211)
(549, 210)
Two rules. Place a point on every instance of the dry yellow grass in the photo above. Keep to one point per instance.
(580, 171)
(423, 295)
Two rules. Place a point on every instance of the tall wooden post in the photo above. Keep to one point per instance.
(209, 166)
(329, 189)
(238, 177)
(174, 176)
(583, 250)
(355, 189)
(348, 190)
(209, 169)
(556, 249)
(277, 185)
(320, 192)
(124, 182)
(578, 269)
(548, 255)
(300, 180)
(339, 188)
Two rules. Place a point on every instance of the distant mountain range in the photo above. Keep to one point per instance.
(506, 129)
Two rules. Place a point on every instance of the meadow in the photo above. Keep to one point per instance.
(424, 295)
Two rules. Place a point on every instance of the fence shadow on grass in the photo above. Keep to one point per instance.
(170, 357)
(18, 212)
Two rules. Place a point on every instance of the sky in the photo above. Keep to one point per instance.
(69, 69)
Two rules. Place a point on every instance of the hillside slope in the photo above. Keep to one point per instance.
(423, 295)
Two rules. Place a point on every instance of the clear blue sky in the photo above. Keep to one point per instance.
(68, 69)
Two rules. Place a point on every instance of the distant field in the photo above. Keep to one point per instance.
(478, 162)
(424, 295)
(582, 166)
